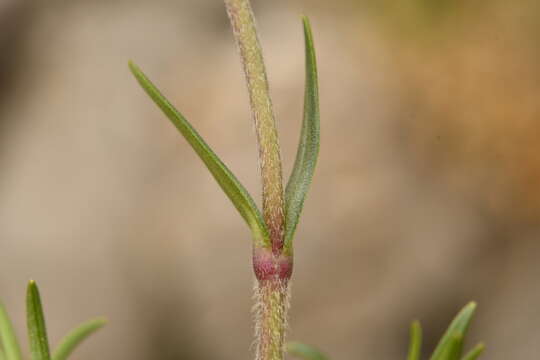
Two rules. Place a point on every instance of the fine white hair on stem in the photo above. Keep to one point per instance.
(271, 307)
(247, 41)
(271, 293)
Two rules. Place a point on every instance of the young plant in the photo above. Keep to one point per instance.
(37, 332)
(273, 230)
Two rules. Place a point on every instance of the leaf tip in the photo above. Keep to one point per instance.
(416, 328)
(32, 285)
(133, 67)
(470, 308)
(480, 347)
(101, 321)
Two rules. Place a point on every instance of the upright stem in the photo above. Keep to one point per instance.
(271, 307)
(272, 267)
(243, 24)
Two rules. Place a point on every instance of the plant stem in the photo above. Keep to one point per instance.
(272, 268)
(243, 24)
(271, 307)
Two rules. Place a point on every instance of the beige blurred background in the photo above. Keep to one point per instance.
(426, 193)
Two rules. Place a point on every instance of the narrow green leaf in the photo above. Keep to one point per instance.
(305, 351)
(460, 324)
(225, 178)
(308, 147)
(475, 352)
(37, 332)
(12, 351)
(415, 344)
(453, 348)
(76, 336)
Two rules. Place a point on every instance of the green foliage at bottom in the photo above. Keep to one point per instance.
(450, 346)
(37, 332)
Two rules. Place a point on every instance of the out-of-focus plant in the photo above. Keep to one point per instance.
(37, 332)
(450, 347)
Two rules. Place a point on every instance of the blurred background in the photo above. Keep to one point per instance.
(426, 193)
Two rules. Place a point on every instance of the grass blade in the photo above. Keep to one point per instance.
(415, 344)
(76, 336)
(11, 348)
(475, 352)
(308, 147)
(225, 178)
(304, 351)
(460, 324)
(37, 332)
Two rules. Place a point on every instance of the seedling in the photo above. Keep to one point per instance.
(273, 231)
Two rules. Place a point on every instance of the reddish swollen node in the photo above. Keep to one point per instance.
(268, 266)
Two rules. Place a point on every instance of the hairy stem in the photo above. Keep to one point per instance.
(272, 304)
(243, 24)
(272, 267)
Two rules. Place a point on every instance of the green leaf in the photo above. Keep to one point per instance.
(225, 178)
(460, 324)
(76, 336)
(12, 351)
(475, 352)
(2, 355)
(37, 332)
(415, 344)
(454, 347)
(308, 147)
(305, 351)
